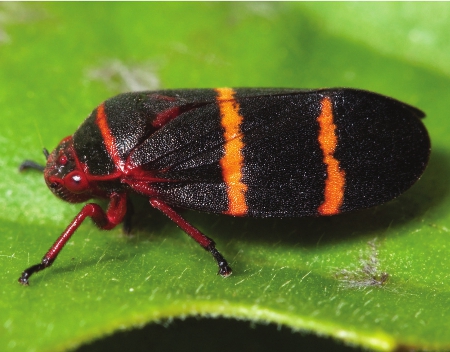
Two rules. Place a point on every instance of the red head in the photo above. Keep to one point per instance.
(64, 175)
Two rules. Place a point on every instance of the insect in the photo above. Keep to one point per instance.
(242, 152)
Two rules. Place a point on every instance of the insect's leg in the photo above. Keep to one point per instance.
(206, 242)
(127, 220)
(104, 220)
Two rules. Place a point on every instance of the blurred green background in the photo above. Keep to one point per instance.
(59, 60)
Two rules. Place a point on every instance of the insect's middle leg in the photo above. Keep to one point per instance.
(204, 241)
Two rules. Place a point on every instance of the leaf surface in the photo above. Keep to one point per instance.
(325, 275)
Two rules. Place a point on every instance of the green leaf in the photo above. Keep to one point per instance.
(324, 275)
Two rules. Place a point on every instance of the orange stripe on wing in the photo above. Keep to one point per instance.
(108, 138)
(232, 160)
(335, 182)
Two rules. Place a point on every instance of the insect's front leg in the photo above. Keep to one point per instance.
(105, 220)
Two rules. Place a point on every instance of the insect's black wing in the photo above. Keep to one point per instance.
(382, 148)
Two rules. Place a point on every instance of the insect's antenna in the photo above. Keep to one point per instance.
(30, 164)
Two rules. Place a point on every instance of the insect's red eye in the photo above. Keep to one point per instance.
(76, 182)
(63, 160)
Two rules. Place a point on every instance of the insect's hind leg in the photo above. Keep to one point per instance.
(204, 241)
(127, 223)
